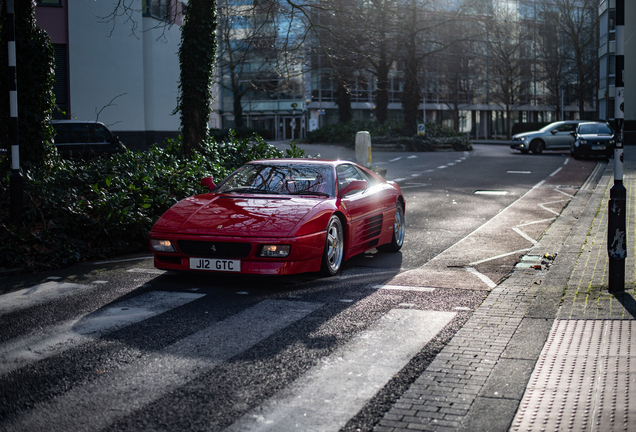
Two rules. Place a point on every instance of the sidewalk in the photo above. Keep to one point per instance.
(550, 348)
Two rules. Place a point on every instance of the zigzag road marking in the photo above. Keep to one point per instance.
(332, 393)
(98, 404)
(51, 341)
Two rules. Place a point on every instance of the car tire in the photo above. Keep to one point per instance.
(574, 154)
(333, 254)
(397, 239)
(537, 147)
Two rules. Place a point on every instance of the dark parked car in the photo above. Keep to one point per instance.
(555, 136)
(592, 139)
(85, 139)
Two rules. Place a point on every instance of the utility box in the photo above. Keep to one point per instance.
(363, 149)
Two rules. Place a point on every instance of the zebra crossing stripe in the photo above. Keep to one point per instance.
(329, 395)
(38, 294)
(18, 353)
(98, 404)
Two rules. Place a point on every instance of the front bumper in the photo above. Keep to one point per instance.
(305, 254)
(519, 145)
(595, 150)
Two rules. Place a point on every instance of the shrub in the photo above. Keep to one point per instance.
(84, 210)
(390, 131)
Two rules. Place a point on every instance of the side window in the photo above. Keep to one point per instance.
(99, 134)
(79, 133)
(568, 127)
(160, 9)
(346, 174)
(62, 134)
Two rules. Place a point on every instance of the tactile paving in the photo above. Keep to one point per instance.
(582, 381)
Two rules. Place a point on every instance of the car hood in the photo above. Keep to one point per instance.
(526, 134)
(597, 138)
(211, 214)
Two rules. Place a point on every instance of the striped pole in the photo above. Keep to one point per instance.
(617, 232)
(15, 180)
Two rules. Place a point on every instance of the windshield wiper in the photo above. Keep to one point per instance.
(251, 190)
(306, 192)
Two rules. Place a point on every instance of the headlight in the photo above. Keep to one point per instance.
(275, 251)
(584, 142)
(162, 245)
(611, 142)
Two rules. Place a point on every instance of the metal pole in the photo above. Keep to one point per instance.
(15, 180)
(616, 231)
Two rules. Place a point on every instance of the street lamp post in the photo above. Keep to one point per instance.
(616, 226)
(15, 180)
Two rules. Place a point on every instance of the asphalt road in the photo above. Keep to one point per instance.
(119, 345)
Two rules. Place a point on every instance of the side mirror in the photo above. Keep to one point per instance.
(208, 182)
(553, 131)
(355, 185)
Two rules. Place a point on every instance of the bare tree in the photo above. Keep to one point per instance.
(507, 43)
(247, 49)
(458, 69)
(551, 49)
(578, 21)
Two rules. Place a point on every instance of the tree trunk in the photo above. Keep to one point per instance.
(196, 58)
(382, 92)
(411, 95)
(343, 100)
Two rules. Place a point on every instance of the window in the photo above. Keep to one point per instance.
(49, 2)
(347, 174)
(161, 9)
(60, 88)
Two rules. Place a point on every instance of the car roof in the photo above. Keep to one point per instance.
(76, 121)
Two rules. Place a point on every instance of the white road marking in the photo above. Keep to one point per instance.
(39, 294)
(542, 205)
(146, 270)
(524, 235)
(404, 288)
(123, 260)
(498, 256)
(485, 279)
(98, 404)
(554, 173)
(57, 339)
(330, 394)
(490, 192)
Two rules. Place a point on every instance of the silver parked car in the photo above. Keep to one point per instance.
(555, 136)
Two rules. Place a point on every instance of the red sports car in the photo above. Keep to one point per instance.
(281, 216)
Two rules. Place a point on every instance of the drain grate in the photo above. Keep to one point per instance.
(582, 381)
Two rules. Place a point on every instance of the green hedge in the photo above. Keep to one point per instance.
(391, 131)
(86, 210)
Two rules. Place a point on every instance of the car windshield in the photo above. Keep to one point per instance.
(595, 129)
(279, 178)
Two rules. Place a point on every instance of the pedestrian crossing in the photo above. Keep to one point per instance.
(322, 398)
(72, 333)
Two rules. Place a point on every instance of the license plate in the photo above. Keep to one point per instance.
(598, 147)
(215, 264)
